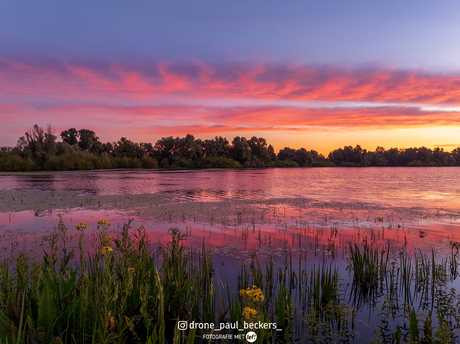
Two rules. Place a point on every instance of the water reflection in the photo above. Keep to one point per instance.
(36, 182)
(399, 187)
(315, 232)
(290, 235)
(392, 186)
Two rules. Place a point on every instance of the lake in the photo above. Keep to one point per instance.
(307, 215)
(425, 187)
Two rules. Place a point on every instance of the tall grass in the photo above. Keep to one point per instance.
(116, 295)
(124, 292)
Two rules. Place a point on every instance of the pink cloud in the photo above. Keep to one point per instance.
(64, 79)
(162, 98)
(202, 119)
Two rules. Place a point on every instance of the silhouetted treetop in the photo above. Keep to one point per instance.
(82, 149)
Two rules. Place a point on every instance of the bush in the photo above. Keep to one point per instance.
(126, 162)
(164, 163)
(418, 163)
(215, 163)
(149, 162)
(78, 161)
(349, 164)
(283, 163)
(323, 163)
(60, 163)
(14, 163)
(181, 163)
(64, 148)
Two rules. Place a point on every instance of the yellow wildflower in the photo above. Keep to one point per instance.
(250, 313)
(108, 239)
(131, 270)
(106, 249)
(82, 225)
(255, 294)
(103, 222)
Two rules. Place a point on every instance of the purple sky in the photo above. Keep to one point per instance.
(317, 74)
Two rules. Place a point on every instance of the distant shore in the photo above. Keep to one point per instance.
(82, 150)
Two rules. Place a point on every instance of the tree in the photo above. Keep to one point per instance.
(393, 156)
(188, 148)
(378, 158)
(70, 136)
(456, 156)
(303, 157)
(38, 144)
(88, 138)
(216, 148)
(349, 156)
(240, 150)
(286, 153)
(259, 151)
(441, 158)
(147, 147)
(129, 149)
(165, 148)
(271, 153)
(317, 156)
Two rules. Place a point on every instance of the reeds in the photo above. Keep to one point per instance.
(115, 295)
(369, 266)
(123, 292)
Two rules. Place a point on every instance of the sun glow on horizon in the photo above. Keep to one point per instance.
(321, 108)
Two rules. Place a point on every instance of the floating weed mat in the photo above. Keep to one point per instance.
(126, 293)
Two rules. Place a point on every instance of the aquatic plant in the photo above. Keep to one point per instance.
(369, 265)
(123, 291)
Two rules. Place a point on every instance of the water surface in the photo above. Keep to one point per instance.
(304, 215)
(425, 187)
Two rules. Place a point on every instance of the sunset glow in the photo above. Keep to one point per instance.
(290, 99)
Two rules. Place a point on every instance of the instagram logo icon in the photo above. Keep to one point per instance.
(182, 325)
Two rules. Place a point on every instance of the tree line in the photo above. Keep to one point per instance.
(39, 149)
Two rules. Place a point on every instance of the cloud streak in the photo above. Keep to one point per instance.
(203, 119)
(87, 80)
(163, 98)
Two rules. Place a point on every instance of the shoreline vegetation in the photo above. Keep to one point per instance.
(104, 283)
(123, 291)
(39, 150)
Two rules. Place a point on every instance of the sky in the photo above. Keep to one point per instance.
(318, 74)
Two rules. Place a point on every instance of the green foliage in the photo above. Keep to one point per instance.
(124, 293)
(14, 163)
(164, 163)
(82, 149)
(126, 162)
(215, 163)
(323, 163)
(369, 266)
(148, 162)
(78, 161)
(38, 144)
(414, 333)
(323, 286)
(284, 163)
(113, 296)
(129, 149)
(47, 313)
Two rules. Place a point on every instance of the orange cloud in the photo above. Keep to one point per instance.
(63, 79)
(204, 119)
(162, 98)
